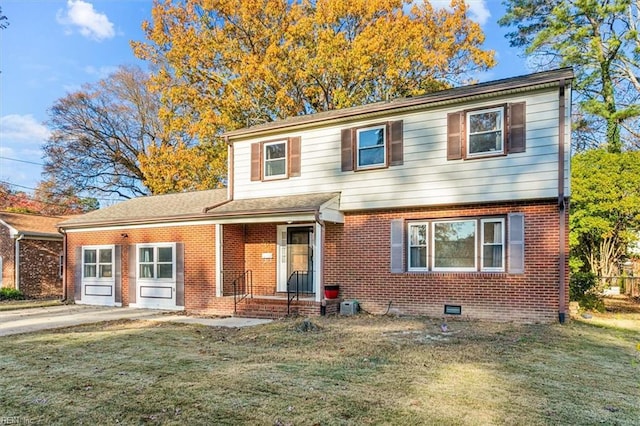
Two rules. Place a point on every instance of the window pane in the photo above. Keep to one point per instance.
(492, 257)
(105, 271)
(371, 156)
(485, 121)
(105, 256)
(492, 232)
(89, 256)
(275, 167)
(275, 151)
(165, 254)
(146, 271)
(371, 138)
(454, 244)
(418, 235)
(485, 142)
(418, 257)
(146, 254)
(165, 271)
(90, 271)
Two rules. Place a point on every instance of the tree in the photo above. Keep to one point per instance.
(605, 209)
(47, 201)
(224, 64)
(601, 40)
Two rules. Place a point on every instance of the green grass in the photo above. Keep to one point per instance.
(352, 371)
(11, 305)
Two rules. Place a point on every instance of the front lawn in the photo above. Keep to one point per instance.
(351, 370)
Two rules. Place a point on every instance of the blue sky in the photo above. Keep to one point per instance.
(52, 47)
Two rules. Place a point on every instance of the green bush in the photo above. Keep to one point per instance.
(10, 294)
(583, 288)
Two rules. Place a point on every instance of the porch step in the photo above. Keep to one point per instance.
(275, 308)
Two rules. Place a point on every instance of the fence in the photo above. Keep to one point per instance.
(629, 286)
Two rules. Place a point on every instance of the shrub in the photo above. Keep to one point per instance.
(10, 294)
(583, 288)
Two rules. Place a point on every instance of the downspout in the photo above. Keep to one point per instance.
(320, 259)
(64, 264)
(561, 205)
(16, 262)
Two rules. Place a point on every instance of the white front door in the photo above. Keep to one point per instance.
(98, 276)
(296, 246)
(156, 276)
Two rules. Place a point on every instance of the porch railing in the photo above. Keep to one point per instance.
(242, 288)
(299, 282)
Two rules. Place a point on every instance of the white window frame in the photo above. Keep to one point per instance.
(469, 114)
(98, 276)
(410, 246)
(384, 147)
(475, 246)
(501, 243)
(285, 158)
(155, 247)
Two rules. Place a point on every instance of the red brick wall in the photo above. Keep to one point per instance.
(7, 252)
(199, 256)
(261, 238)
(357, 257)
(40, 269)
(233, 263)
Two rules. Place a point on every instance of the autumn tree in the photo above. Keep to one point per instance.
(600, 39)
(605, 209)
(47, 200)
(224, 64)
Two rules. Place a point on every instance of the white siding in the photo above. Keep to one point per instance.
(426, 177)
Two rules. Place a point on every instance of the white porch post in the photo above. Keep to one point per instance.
(317, 258)
(219, 281)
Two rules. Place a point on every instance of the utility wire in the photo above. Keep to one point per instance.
(20, 161)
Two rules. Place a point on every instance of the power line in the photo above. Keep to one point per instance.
(20, 161)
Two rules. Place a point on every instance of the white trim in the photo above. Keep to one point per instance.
(384, 147)
(482, 244)
(219, 245)
(141, 226)
(285, 158)
(475, 246)
(318, 249)
(502, 130)
(427, 244)
(97, 299)
(155, 283)
(282, 253)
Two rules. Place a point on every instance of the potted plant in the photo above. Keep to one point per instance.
(331, 291)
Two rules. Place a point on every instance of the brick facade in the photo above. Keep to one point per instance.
(357, 257)
(40, 269)
(7, 253)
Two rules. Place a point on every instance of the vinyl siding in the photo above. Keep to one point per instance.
(426, 178)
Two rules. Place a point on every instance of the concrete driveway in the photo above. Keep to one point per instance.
(45, 318)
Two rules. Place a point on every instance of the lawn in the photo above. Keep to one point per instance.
(350, 370)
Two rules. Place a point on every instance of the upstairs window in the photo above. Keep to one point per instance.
(371, 144)
(97, 262)
(485, 132)
(275, 160)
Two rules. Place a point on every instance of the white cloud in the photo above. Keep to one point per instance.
(90, 23)
(101, 72)
(478, 10)
(22, 128)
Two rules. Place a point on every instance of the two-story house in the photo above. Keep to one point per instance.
(452, 203)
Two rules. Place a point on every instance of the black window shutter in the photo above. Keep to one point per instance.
(294, 156)
(347, 149)
(455, 135)
(394, 130)
(517, 130)
(256, 160)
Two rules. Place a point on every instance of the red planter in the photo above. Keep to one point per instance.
(331, 291)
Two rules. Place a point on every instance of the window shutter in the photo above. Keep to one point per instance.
(347, 149)
(455, 135)
(294, 156)
(133, 269)
(77, 275)
(117, 266)
(516, 243)
(394, 130)
(256, 161)
(517, 129)
(180, 274)
(397, 246)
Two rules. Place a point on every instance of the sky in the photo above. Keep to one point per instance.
(52, 47)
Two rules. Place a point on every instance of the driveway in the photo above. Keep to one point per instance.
(45, 318)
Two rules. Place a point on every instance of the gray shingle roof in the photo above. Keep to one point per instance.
(33, 224)
(283, 204)
(158, 208)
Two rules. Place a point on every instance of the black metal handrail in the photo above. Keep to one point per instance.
(299, 282)
(242, 288)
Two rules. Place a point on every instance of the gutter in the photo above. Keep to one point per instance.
(16, 262)
(562, 207)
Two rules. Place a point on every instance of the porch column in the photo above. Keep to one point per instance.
(318, 269)
(218, 232)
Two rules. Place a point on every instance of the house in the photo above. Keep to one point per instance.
(31, 251)
(452, 203)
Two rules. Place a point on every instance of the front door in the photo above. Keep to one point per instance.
(296, 257)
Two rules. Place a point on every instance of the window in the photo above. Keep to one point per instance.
(97, 262)
(275, 160)
(454, 245)
(371, 144)
(492, 244)
(418, 246)
(156, 262)
(485, 132)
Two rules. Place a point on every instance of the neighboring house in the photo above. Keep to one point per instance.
(449, 203)
(31, 251)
